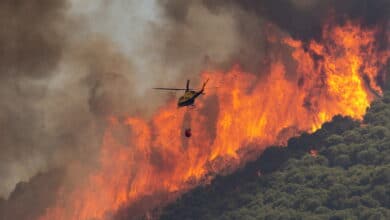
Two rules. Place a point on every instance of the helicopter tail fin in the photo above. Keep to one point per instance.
(204, 85)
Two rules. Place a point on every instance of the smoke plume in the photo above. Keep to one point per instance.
(66, 66)
(32, 45)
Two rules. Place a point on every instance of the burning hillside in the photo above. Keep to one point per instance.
(335, 76)
(121, 155)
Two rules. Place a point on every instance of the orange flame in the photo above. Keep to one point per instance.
(251, 113)
(313, 153)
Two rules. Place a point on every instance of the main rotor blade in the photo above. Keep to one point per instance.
(173, 89)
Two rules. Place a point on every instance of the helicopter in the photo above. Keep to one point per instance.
(188, 99)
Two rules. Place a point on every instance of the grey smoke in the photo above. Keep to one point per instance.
(66, 65)
(31, 45)
(303, 18)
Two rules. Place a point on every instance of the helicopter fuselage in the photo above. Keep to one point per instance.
(188, 98)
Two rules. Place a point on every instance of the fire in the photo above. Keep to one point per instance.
(313, 153)
(335, 76)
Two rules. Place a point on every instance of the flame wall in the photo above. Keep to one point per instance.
(245, 114)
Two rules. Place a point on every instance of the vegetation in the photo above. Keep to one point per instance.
(349, 178)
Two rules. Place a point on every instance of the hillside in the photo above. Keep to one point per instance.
(342, 171)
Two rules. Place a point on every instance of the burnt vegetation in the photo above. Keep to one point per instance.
(349, 178)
